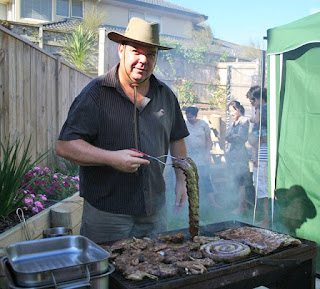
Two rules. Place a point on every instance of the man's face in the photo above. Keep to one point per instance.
(255, 102)
(138, 60)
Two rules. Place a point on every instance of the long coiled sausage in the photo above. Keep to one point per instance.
(189, 169)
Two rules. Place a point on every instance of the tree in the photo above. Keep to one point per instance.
(80, 47)
(252, 51)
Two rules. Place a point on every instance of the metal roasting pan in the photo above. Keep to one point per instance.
(41, 262)
(96, 282)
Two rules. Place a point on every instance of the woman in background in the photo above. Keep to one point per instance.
(199, 144)
(237, 157)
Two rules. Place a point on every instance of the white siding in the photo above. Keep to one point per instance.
(3, 11)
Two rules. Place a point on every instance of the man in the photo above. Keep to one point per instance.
(124, 193)
(258, 99)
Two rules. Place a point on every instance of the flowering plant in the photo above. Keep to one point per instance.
(46, 185)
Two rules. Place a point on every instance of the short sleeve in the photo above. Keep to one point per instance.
(82, 121)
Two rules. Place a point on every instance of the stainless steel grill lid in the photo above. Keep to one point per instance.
(35, 262)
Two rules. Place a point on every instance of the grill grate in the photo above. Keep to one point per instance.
(120, 282)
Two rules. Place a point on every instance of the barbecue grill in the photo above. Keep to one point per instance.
(291, 267)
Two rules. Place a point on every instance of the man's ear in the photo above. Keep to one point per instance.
(121, 48)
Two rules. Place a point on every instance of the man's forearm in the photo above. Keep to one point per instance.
(82, 153)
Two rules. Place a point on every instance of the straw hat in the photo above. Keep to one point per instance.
(139, 31)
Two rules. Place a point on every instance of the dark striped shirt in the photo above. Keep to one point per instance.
(103, 116)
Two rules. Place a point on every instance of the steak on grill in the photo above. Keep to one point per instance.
(261, 241)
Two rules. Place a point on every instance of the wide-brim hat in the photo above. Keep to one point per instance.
(139, 31)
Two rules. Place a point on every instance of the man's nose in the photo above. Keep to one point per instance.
(142, 58)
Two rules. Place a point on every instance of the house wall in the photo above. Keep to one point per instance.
(177, 27)
(117, 14)
(3, 11)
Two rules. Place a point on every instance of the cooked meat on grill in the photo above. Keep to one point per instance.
(261, 241)
(205, 262)
(191, 267)
(225, 250)
(137, 273)
(195, 254)
(176, 238)
(121, 245)
(127, 258)
(204, 239)
(158, 246)
(113, 255)
(151, 257)
(189, 169)
(151, 271)
(186, 246)
(170, 255)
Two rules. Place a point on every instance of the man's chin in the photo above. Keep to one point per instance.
(139, 79)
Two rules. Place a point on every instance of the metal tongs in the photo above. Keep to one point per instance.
(154, 158)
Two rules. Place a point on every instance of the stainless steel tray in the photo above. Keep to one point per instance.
(100, 281)
(60, 259)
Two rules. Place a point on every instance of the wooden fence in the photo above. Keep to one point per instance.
(36, 91)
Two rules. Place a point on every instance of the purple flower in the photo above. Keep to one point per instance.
(39, 205)
(55, 176)
(28, 175)
(37, 182)
(35, 210)
(76, 178)
(32, 195)
(55, 183)
(28, 201)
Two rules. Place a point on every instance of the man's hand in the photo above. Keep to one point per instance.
(127, 160)
(181, 197)
(84, 154)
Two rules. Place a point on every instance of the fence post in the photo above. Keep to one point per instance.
(58, 93)
(41, 36)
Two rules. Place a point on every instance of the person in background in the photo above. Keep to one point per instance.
(237, 157)
(199, 144)
(258, 131)
(258, 99)
(124, 193)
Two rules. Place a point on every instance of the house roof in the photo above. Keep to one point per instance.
(63, 25)
(220, 46)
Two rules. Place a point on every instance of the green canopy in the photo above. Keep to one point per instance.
(293, 35)
(294, 116)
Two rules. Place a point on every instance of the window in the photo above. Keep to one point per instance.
(36, 9)
(146, 16)
(70, 8)
(63, 8)
(77, 10)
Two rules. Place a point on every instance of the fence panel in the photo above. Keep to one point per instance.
(36, 91)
